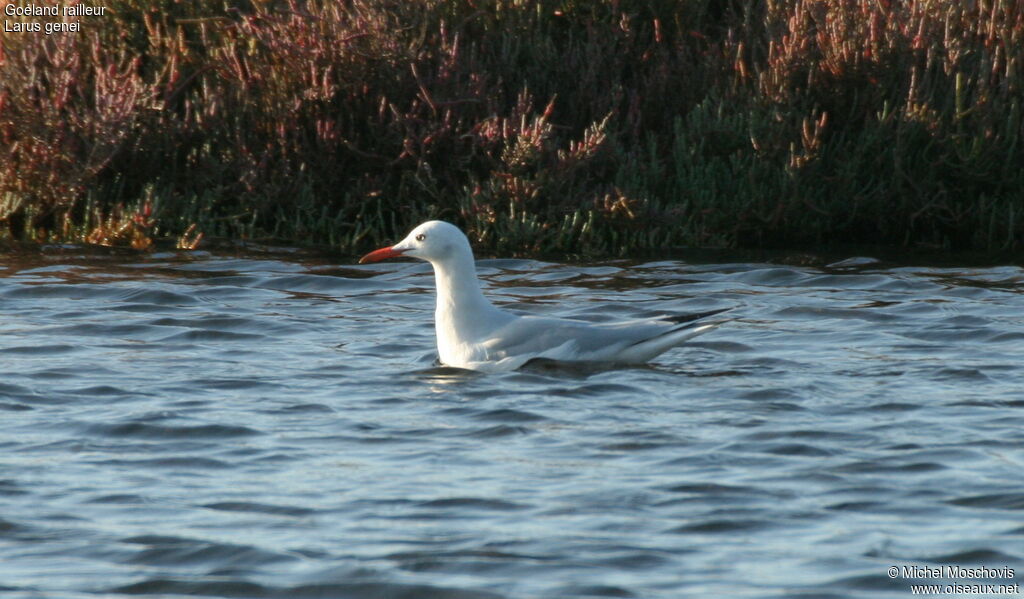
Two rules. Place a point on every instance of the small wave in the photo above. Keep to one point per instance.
(158, 297)
(961, 374)
(241, 588)
(40, 350)
(857, 506)
(596, 390)
(259, 508)
(211, 336)
(896, 406)
(878, 467)
(12, 391)
(467, 561)
(713, 489)
(88, 329)
(108, 391)
(322, 284)
(847, 281)
(188, 463)
(499, 431)
(472, 503)
(234, 383)
(14, 407)
(144, 430)
(304, 408)
(77, 291)
(720, 526)
(772, 276)
(870, 582)
(799, 449)
(772, 394)
(636, 446)
(595, 591)
(981, 556)
(118, 499)
(10, 529)
(997, 501)
(508, 415)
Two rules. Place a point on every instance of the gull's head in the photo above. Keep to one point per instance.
(433, 241)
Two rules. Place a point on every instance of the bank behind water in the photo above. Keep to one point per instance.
(605, 128)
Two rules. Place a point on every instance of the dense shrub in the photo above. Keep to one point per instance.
(605, 127)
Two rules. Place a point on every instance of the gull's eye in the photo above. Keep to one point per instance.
(421, 237)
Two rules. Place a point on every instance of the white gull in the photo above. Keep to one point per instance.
(473, 334)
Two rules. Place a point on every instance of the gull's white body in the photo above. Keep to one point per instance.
(472, 333)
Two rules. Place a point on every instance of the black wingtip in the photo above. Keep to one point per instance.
(686, 321)
(695, 316)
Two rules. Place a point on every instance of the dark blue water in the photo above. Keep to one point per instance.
(195, 425)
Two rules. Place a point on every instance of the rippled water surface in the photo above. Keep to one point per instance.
(184, 425)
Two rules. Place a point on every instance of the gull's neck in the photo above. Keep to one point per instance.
(462, 310)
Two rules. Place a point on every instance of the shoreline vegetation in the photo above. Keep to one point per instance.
(610, 127)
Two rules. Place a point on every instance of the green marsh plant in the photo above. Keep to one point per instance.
(606, 127)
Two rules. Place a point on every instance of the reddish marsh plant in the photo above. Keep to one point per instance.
(541, 126)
